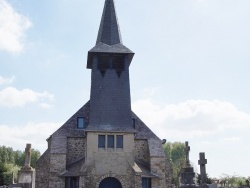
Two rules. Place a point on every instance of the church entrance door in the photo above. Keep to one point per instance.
(110, 183)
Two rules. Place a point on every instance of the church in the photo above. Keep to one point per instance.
(105, 144)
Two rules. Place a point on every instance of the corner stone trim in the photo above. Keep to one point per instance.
(110, 175)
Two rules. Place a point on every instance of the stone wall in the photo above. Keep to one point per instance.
(42, 170)
(76, 148)
(93, 181)
(138, 181)
(108, 164)
(158, 167)
(169, 174)
(141, 151)
(56, 181)
(117, 163)
(57, 166)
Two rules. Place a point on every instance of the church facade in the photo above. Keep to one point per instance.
(105, 144)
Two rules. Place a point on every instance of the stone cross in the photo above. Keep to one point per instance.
(27, 156)
(202, 162)
(187, 149)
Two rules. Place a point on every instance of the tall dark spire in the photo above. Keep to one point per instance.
(109, 37)
(109, 32)
(110, 103)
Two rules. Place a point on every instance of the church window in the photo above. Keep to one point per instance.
(101, 141)
(80, 123)
(146, 182)
(119, 141)
(111, 141)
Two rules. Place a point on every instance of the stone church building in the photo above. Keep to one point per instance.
(105, 144)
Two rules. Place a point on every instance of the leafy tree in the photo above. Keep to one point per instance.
(20, 157)
(247, 183)
(175, 152)
(35, 155)
(198, 179)
(2, 171)
(6, 172)
(233, 180)
(11, 161)
(6, 155)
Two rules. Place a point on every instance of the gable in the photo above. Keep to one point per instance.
(69, 129)
(143, 132)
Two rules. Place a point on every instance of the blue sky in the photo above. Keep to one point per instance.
(189, 77)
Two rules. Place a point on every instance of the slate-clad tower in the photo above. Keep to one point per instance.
(104, 144)
(110, 105)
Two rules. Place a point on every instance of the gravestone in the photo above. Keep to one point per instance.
(26, 176)
(202, 162)
(187, 174)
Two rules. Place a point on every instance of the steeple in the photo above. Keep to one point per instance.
(109, 38)
(109, 60)
(109, 32)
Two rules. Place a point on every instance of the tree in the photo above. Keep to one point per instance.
(247, 183)
(232, 180)
(2, 171)
(35, 155)
(198, 179)
(175, 152)
(11, 161)
(20, 157)
(6, 171)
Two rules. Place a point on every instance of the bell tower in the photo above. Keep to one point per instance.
(109, 61)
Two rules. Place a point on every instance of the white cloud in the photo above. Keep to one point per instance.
(215, 127)
(6, 80)
(231, 139)
(45, 105)
(12, 28)
(190, 119)
(34, 133)
(11, 97)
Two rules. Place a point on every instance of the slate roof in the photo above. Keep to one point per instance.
(109, 37)
(142, 130)
(109, 31)
(145, 171)
(74, 168)
(69, 128)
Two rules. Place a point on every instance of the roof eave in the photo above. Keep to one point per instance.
(102, 48)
